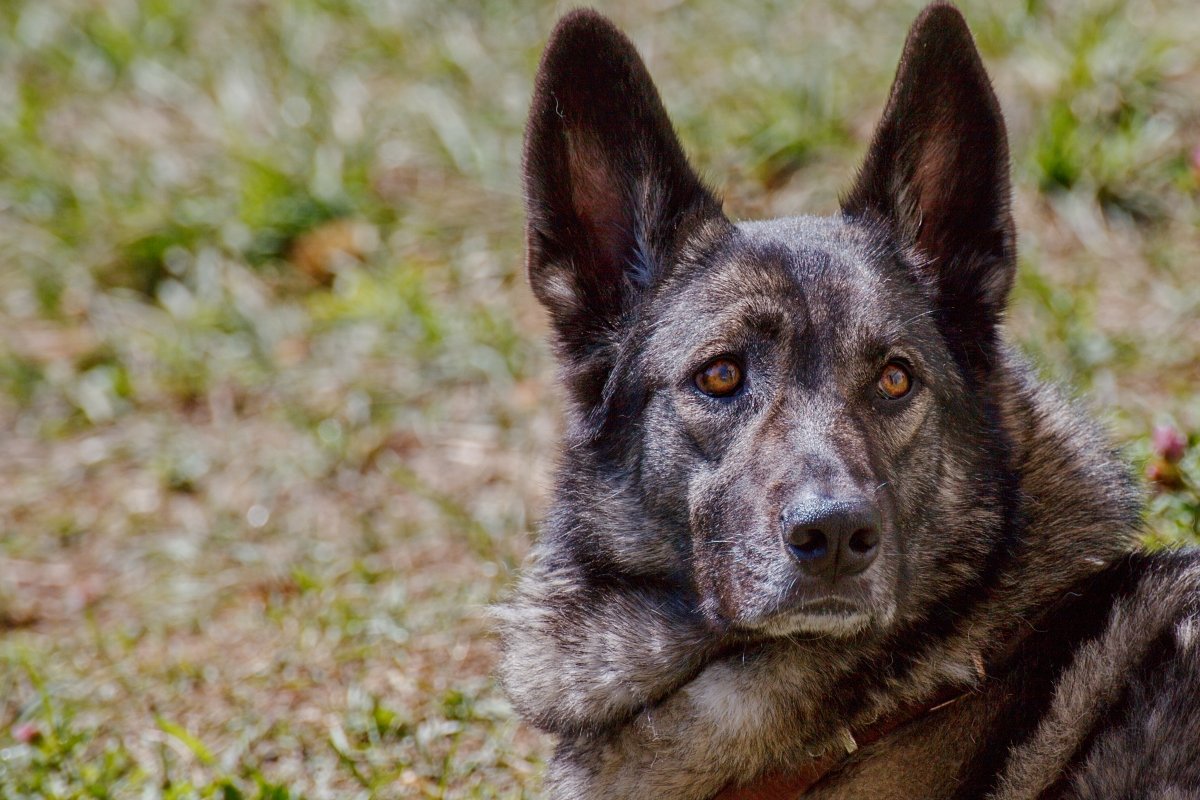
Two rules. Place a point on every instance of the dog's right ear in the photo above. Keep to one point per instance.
(609, 193)
(937, 173)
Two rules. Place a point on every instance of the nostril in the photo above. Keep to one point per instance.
(864, 540)
(809, 544)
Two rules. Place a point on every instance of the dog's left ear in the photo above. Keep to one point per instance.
(937, 173)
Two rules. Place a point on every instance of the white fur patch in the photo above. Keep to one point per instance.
(559, 290)
(1186, 633)
(727, 702)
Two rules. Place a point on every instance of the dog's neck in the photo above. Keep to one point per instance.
(1073, 523)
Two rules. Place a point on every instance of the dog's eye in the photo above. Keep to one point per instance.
(720, 378)
(894, 381)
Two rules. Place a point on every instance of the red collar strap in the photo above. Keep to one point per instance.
(794, 783)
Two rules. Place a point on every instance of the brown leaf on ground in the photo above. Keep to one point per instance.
(332, 247)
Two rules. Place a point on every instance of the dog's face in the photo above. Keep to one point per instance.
(792, 418)
(797, 404)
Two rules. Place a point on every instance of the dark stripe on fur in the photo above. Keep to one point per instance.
(1033, 670)
(1161, 653)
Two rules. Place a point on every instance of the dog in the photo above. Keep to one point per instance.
(817, 529)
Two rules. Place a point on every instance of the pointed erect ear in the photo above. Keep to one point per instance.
(937, 174)
(609, 194)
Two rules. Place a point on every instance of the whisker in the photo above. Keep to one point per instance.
(906, 322)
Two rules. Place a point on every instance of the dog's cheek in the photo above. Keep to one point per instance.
(907, 459)
(709, 432)
(712, 552)
(699, 475)
(667, 459)
(943, 507)
(680, 443)
(735, 553)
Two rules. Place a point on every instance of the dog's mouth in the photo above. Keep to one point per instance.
(825, 619)
(840, 613)
(831, 607)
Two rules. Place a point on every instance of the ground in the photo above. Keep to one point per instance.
(276, 413)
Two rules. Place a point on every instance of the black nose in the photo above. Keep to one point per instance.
(831, 537)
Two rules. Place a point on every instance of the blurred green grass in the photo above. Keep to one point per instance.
(275, 408)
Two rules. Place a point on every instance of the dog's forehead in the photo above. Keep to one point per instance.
(824, 256)
(818, 269)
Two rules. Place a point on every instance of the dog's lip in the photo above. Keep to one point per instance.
(823, 618)
(822, 607)
(849, 597)
(829, 606)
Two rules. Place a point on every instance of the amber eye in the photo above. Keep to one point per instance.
(894, 381)
(720, 378)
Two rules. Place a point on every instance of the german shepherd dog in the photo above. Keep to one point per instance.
(817, 529)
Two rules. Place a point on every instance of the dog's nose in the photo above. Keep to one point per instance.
(832, 538)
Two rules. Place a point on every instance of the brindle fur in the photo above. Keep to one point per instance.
(653, 630)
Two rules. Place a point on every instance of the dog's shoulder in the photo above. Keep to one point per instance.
(1122, 719)
(1149, 747)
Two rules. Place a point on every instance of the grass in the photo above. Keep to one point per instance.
(276, 414)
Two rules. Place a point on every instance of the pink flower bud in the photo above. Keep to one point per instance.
(1169, 444)
(26, 732)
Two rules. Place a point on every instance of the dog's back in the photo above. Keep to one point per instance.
(816, 527)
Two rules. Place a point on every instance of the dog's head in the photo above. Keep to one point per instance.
(794, 418)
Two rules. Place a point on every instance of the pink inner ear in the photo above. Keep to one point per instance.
(935, 189)
(597, 199)
(944, 182)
